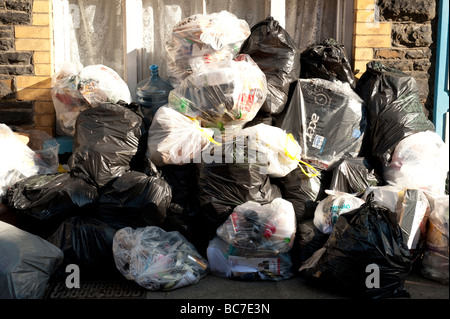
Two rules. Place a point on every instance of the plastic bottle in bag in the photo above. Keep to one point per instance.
(154, 92)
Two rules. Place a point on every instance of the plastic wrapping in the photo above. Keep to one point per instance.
(277, 55)
(208, 38)
(227, 261)
(20, 161)
(394, 111)
(327, 119)
(176, 139)
(44, 201)
(264, 228)
(135, 200)
(389, 196)
(412, 216)
(76, 88)
(106, 141)
(435, 257)
(354, 175)
(365, 236)
(414, 157)
(157, 260)
(87, 243)
(327, 60)
(224, 94)
(27, 263)
(329, 209)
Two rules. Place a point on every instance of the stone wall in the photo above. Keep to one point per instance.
(13, 63)
(26, 64)
(414, 29)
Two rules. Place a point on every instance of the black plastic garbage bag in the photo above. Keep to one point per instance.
(87, 243)
(364, 256)
(134, 200)
(106, 140)
(42, 202)
(303, 192)
(394, 111)
(353, 176)
(308, 239)
(183, 211)
(27, 263)
(327, 60)
(234, 175)
(327, 119)
(277, 55)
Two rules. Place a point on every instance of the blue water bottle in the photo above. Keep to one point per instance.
(153, 92)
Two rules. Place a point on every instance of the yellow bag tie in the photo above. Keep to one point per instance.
(292, 143)
(209, 137)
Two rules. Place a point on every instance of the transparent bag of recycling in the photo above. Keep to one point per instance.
(18, 160)
(329, 209)
(176, 139)
(157, 260)
(420, 160)
(228, 261)
(76, 88)
(205, 38)
(263, 228)
(224, 94)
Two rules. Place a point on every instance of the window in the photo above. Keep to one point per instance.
(128, 35)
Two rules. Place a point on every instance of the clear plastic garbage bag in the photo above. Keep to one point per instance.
(224, 94)
(157, 260)
(263, 228)
(203, 38)
(76, 88)
(421, 161)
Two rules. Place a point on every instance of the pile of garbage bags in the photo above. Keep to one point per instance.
(265, 163)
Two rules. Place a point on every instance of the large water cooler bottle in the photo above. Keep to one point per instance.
(152, 93)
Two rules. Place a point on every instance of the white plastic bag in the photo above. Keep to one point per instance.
(156, 259)
(329, 209)
(176, 139)
(263, 228)
(76, 88)
(281, 150)
(202, 39)
(18, 161)
(419, 161)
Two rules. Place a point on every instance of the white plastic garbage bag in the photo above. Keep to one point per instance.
(329, 209)
(176, 139)
(156, 259)
(420, 160)
(19, 161)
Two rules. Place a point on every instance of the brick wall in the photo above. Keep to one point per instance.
(400, 34)
(26, 64)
